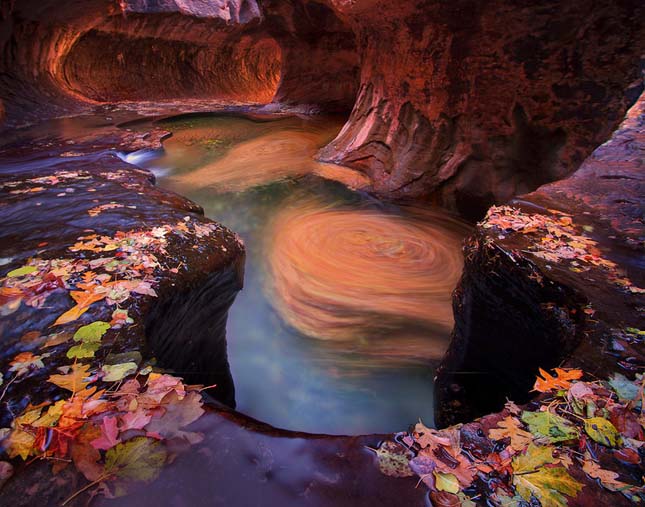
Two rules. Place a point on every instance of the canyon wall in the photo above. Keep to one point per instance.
(61, 59)
(459, 102)
(473, 102)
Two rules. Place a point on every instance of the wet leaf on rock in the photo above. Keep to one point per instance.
(551, 427)
(548, 485)
(393, 460)
(138, 459)
(74, 381)
(602, 431)
(109, 434)
(510, 427)
(116, 372)
(90, 338)
(625, 389)
(446, 482)
(25, 362)
(535, 456)
(25, 270)
(561, 380)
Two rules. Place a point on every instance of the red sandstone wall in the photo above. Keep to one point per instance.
(475, 102)
(460, 101)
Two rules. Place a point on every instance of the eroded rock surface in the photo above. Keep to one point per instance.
(558, 281)
(476, 102)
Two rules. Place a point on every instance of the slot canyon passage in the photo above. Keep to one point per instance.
(322, 252)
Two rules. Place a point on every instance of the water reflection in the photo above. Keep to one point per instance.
(378, 281)
(345, 301)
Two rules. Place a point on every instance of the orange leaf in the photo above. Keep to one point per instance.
(83, 299)
(73, 381)
(560, 381)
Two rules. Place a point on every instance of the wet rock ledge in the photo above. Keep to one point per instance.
(554, 278)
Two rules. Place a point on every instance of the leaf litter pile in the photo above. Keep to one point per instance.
(117, 421)
(522, 457)
(557, 240)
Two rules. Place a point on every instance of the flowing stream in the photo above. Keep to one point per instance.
(346, 308)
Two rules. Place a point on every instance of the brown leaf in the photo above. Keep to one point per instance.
(511, 427)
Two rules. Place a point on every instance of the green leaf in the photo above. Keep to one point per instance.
(92, 333)
(446, 482)
(550, 426)
(139, 459)
(25, 270)
(602, 431)
(83, 351)
(624, 388)
(548, 485)
(535, 456)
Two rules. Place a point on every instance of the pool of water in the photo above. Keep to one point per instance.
(346, 306)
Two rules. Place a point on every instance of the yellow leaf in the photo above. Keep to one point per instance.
(536, 456)
(83, 300)
(602, 431)
(70, 315)
(393, 460)
(20, 443)
(52, 415)
(446, 482)
(548, 485)
(116, 372)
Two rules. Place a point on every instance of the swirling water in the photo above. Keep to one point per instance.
(346, 307)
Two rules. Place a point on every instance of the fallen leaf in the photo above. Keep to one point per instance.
(116, 372)
(446, 482)
(135, 420)
(393, 460)
(535, 457)
(625, 389)
(607, 478)
(138, 459)
(109, 434)
(19, 443)
(25, 362)
(179, 413)
(83, 301)
(510, 427)
(84, 456)
(602, 431)
(548, 485)
(550, 427)
(74, 381)
(92, 332)
(83, 350)
(90, 338)
(562, 380)
(25, 270)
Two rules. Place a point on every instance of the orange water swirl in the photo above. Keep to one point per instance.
(367, 276)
